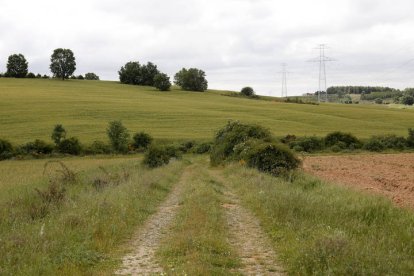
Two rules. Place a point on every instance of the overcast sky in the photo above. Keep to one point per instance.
(236, 42)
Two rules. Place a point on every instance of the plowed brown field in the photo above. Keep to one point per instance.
(391, 175)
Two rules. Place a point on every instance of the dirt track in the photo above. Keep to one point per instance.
(389, 174)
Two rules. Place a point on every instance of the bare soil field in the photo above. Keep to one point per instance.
(391, 175)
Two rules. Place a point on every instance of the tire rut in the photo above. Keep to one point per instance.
(142, 260)
(247, 237)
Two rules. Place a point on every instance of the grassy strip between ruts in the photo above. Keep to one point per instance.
(322, 229)
(197, 244)
(79, 233)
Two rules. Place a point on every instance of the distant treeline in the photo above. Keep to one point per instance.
(343, 90)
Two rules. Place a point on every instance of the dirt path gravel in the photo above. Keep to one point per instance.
(142, 261)
(247, 237)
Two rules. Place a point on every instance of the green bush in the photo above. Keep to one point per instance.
(272, 158)
(410, 138)
(6, 149)
(187, 146)
(202, 148)
(37, 147)
(98, 147)
(118, 136)
(374, 144)
(173, 152)
(156, 156)
(70, 146)
(233, 134)
(343, 140)
(142, 140)
(380, 143)
(58, 134)
(247, 91)
(308, 144)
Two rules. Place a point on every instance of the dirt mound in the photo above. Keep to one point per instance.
(391, 175)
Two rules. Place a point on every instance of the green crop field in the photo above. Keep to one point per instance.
(30, 108)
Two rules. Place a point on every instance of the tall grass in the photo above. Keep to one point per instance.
(322, 229)
(77, 227)
(198, 242)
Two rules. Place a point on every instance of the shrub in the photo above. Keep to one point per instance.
(118, 136)
(187, 146)
(173, 152)
(98, 147)
(308, 144)
(6, 149)
(247, 91)
(379, 101)
(58, 134)
(379, 143)
(80, 77)
(91, 76)
(374, 144)
(272, 158)
(202, 148)
(70, 146)
(410, 138)
(142, 140)
(407, 100)
(162, 82)
(192, 79)
(37, 147)
(288, 139)
(31, 75)
(156, 156)
(343, 140)
(233, 134)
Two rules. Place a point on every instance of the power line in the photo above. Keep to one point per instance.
(322, 59)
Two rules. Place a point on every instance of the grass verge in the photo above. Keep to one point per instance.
(197, 244)
(75, 226)
(323, 229)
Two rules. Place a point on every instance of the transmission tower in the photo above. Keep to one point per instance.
(322, 59)
(284, 81)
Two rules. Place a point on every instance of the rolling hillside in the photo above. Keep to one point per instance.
(29, 108)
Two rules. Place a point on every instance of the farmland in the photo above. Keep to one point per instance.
(106, 214)
(30, 108)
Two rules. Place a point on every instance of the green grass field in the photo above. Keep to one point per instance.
(316, 228)
(29, 108)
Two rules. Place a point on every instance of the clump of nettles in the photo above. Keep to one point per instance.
(254, 146)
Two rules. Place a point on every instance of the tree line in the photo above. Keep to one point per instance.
(375, 93)
(63, 66)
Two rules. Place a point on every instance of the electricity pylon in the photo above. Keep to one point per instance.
(322, 59)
